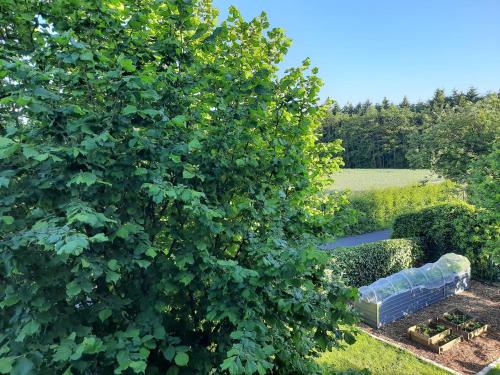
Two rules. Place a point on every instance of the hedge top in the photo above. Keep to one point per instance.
(363, 264)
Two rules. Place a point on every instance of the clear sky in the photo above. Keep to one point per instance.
(368, 49)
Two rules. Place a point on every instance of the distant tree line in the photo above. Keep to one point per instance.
(388, 135)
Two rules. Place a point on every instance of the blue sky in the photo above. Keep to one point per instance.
(368, 49)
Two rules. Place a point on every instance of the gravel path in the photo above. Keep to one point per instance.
(359, 239)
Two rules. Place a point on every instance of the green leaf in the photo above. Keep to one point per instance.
(138, 366)
(179, 120)
(8, 220)
(113, 265)
(186, 278)
(23, 366)
(181, 359)
(175, 158)
(99, 237)
(142, 263)
(169, 353)
(62, 354)
(150, 112)
(74, 245)
(41, 157)
(7, 147)
(28, 329)
(186, 174)
(6, 365)
(5, 142)
(4, 182)
(44, 93)
(151, 252)
(127, 65)
(10, 301)
(112, 276)
(73, 289)
(87, 56)
(122, 232)
(123, 358)
(194, 145)
(83, 178)
(104, 314)
(129, 109)
(29, 152)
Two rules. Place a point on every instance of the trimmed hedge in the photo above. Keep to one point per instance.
(377, 209)
(455, 227)
(363, 264)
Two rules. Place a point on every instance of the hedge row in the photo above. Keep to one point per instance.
(377, 209)
(455, 227)
(363, 264)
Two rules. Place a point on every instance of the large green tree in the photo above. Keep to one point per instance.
(389, 136)
(160, 198)
(461, 137)
(372, 138)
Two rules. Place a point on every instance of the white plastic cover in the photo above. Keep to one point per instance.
(429, 276)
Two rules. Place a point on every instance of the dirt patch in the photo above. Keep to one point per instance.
(481, 301)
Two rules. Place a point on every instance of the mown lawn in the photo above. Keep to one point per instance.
(372, 179)
(379, 358)
(495, 370)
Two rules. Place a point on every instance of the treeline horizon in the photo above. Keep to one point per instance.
(386, 134)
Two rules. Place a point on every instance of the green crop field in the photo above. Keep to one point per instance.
(372, 179)
(379, 358)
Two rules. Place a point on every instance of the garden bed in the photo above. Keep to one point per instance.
(456, 319)
(463, 324)
(482, 301)
(428, 333)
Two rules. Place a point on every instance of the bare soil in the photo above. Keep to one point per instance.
(482, 301)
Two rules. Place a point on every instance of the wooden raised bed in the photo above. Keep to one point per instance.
(446, 343)
(456, 319)
(473, 329)
(416, 332)
(463, 324)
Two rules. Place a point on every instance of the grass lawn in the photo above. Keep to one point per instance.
(372, 179)
(495, 371)
(379, 358)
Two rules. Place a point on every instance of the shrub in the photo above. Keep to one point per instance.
(363, 264)
(135, 233)
(483, 185)
(455, 227)
(377, 209)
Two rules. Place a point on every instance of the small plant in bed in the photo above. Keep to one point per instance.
(430, 329)
(447, 339)
(457, 317)
(472, 326)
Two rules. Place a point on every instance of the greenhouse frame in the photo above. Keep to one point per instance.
(410, 290)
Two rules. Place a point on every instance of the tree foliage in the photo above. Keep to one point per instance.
(372, 138)
(386, 135)
(484, 181)
(160, 194)
(461, 137)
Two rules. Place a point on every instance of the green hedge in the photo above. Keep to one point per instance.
(455, 227)
(377, 209)
(363, 264)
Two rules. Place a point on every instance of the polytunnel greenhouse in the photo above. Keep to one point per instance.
(407, 291)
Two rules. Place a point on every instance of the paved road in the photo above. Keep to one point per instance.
(359, 239)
